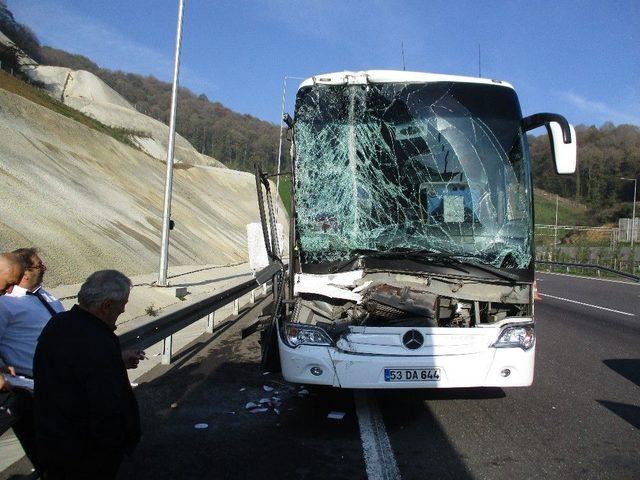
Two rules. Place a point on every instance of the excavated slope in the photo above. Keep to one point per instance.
(87, 93)
(91, 202)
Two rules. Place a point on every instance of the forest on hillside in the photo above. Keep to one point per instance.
(605, 153)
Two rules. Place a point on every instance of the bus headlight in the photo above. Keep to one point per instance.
(300, 334)
(522, 336)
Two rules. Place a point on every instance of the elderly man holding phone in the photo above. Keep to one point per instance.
(86, 413)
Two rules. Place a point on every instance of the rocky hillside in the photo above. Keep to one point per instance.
(90, 201)
(85, 92)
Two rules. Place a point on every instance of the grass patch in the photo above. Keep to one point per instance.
(18, 87)
(285, 192)
(569, 212)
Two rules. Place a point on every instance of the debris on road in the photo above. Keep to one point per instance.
(174, 405)
(277, 403)
(201, 426)
(336, 415)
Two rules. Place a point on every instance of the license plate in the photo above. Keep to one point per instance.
(411, 374)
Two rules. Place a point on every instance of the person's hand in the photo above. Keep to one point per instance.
(4, 385)
(132, 357)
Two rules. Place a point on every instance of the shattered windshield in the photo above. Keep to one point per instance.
(440, 166)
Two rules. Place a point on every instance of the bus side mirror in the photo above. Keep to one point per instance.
(562, 136)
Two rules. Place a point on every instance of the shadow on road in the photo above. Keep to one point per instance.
(447, 394)
(629, 368)
(422, 447)
(211, 383)
(629, 413)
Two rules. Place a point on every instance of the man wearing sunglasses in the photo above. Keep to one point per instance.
(24, 312)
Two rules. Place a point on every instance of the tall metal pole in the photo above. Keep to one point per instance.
(284, 99)
(555, 231)
(166, 216)
(284, 106)
(633, 214)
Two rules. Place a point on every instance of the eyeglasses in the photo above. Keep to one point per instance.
(40, 266)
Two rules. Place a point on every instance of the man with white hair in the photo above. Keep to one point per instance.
(85, 410)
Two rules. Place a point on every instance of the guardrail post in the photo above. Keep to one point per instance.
(167, 348)
(236, 306)
(211, 322)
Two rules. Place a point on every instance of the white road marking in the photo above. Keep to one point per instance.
(376, 448)
(626, 282)
(588, 305)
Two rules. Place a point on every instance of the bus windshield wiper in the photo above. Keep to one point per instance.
(396, 252)
(479, 264)
(446, 258)
(423, 254)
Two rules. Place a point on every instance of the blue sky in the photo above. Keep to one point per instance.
(581, 59)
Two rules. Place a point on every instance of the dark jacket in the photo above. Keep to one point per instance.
(85, 409)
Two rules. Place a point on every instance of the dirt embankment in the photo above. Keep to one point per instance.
(90, 202)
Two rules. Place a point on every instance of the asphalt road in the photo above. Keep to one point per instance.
(580, 419)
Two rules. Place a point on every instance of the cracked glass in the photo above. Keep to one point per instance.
(441, 166)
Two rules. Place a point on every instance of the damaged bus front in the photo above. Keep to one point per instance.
(411, 239)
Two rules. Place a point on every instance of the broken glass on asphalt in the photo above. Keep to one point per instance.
(440, 166)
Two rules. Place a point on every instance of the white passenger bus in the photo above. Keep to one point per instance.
(411, 236)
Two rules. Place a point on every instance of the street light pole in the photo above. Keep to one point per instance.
(284, 102)
(555, 232)
(284, 106)
(633, 214)
(168, 186)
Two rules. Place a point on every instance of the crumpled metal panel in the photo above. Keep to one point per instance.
(441, 166)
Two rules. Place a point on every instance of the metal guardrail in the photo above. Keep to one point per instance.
(592, 266)
(163, 327)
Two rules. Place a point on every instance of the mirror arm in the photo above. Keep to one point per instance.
(542, 119)
(288, 121)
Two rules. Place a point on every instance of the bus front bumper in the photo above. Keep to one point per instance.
(322, 365)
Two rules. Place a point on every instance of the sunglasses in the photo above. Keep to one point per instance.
(40, 266)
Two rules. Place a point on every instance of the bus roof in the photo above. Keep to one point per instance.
(394, 76)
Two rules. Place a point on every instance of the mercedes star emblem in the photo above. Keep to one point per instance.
(413, 339)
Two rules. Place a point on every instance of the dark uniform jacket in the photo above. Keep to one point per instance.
(85, 410)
